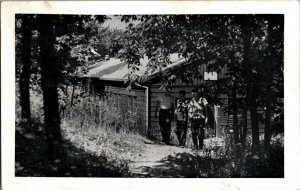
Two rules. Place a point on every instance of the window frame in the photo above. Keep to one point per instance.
(132, 105)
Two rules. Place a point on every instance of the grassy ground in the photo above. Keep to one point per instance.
(88, 151)
(121, 148)
(31, 160)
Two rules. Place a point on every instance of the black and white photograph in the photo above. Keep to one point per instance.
(150, 95)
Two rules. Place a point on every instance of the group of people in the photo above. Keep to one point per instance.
(187, 112)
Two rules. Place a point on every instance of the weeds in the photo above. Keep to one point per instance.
(93, 144)
(96, 125)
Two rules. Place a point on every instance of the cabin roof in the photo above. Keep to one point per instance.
(116, 70)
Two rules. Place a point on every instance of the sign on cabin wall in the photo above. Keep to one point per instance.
(210, 76)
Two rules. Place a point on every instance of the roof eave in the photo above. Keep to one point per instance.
(148, 78)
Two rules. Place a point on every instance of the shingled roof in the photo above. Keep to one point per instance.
(116, 70)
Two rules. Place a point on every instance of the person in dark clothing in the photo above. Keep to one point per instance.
(165, 116)
(197, 116)
(181, 118)
(164, 110)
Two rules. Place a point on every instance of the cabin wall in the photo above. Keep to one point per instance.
(132, 104)
(154, 92)
(223, 120)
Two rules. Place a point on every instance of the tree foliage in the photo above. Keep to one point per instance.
(50, 64)
(251, 46)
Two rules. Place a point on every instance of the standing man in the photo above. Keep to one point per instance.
(164, 109)
(181, 118)
(197, 116)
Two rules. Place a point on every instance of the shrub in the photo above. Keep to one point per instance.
(221, 159)
(215, 147)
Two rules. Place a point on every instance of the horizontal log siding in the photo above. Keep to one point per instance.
(222, 120)
(140, 118)
(154, 129)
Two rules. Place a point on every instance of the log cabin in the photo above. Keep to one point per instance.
(110, 78)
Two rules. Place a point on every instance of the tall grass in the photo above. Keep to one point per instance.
(97, 126)
(95, 138)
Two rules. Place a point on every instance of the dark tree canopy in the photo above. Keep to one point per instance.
(251, 46)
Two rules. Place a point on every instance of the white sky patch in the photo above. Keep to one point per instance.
(116, 23)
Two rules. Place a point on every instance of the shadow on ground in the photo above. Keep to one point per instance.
(195, 165)
(31, 160)
(181, 165)
(185, 165)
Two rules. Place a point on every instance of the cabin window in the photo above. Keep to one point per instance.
(119, 101)
(114, 100)
(132, 105)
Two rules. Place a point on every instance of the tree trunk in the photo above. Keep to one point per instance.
(269, 76)
(50, 71)
(246, 22)
(267, 137)
(25, 72)
(254, 118)
(235, 119)
(245, 126)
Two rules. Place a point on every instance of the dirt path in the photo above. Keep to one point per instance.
(164, 161)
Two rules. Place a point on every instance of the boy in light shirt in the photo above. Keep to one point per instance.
(197, 113)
